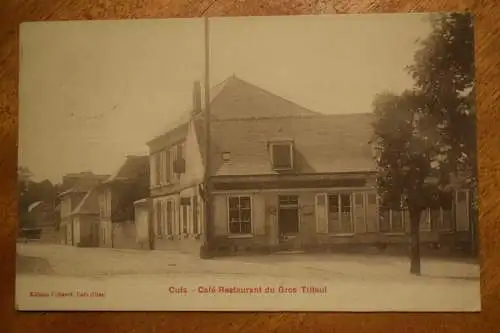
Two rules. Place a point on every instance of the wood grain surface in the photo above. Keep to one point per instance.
(487, 22)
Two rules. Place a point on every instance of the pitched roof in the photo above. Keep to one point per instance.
(84, 182)
(239, 99)
(89, 204)
(322, 144)
(133, 167)
(235, 98)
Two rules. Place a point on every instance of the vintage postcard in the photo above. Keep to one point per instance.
(302, 163)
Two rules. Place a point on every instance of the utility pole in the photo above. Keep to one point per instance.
(206, 249)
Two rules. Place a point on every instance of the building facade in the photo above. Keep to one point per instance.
(282, 178)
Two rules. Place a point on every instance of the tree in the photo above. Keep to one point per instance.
(443, 71)
(404, 150)
(31, 192)
(425, 138)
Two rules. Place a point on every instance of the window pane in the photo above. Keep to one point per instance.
(346, 213)
(333, 214)
(246, 227)
(234, 227)
(195, 214)
(169, 217)
(245, 215)
(345, 202)
(167, 165)
(244, 202)
(281, 156)
(397, 221)
(233, 202)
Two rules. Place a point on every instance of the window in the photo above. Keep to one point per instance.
(172, 159)
(391, 220)
(180, 151)
(158, 216)
(195, 215)
(360, 224)
(170, 218)
(340, 214)
(226, 156)
(185, 219)
(158, 164)
(102, 205)
(168, 167)
(282, 156)
(240, 215)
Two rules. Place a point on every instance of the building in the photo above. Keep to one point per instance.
(116, 203)
(79, 209)
(282, 178)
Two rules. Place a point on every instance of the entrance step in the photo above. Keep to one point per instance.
(289, 252)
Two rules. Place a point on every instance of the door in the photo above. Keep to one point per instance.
(95, 234)
(288, 215)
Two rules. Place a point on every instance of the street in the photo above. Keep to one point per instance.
(145, 280)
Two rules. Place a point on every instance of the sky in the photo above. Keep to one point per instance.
(92, 92)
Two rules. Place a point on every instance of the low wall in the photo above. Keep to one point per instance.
(124, 236)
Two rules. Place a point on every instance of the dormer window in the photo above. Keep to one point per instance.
(226, 157)
(282, 155)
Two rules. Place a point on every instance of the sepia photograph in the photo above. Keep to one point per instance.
(279, 163)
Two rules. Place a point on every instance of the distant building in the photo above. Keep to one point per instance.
(116, 203)
(283, 178)
(79, 209)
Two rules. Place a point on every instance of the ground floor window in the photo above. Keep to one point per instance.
(240, 214)
(158, 218)
(164, 217)
(170, 217)
(340, 217)
(347, 212)
(391, 220)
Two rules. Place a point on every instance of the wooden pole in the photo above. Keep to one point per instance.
(206, 250)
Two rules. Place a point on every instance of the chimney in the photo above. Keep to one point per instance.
(196, 97)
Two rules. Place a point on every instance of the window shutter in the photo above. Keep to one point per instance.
(259, 214)
(221, 219)
(358, 200)
(371, 212)
(321, 213)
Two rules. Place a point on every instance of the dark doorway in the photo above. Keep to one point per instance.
(288, 214)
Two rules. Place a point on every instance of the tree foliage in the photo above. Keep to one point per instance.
(425, 138)
(30, 192)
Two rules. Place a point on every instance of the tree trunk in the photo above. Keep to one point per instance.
(415, 242)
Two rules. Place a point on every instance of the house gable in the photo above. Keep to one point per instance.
(194, 171)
